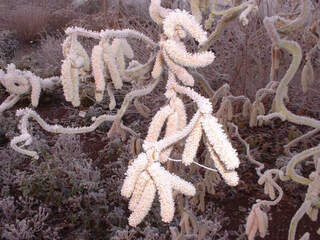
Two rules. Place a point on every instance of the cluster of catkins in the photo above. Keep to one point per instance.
(146, 175)
(19, 83)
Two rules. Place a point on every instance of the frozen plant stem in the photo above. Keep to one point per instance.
(19, 83)
(282, 90)
(27, 113)
(309, 206)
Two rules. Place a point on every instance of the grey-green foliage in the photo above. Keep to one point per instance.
(25, 219)
(65, 182)
(63, 173)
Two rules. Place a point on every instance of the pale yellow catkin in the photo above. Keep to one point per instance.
(144, 204)
(261, 111)
(35, 89)
(158, 66)
(171, 128)
(187, 22)
(253, 115)
(132, 174)
(195, 9)
(181, 110)
(138, 190)
(250, 221)
(66, 78)
(98, 69)
(157, 122)
(246, 109)
(109, 59)
(178, 53)
(182, 74)
(164, 188)
(75, 86)
(192, 144)
(121, 49)
(229, 110)
(252, 225)
(307, 76)
(141, 108)
(230, 177)
(262, 226)
(218, 139)
(313, 213)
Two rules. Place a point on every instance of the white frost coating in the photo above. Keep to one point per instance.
(171, 128)
(124, 33)
(27, 113)
(50, 83)
(98, 69)
(84, 55)
(9, 102)
(204, 104)
(181, 185)
(157, 67)
(167, 141)
(110, 33)
(230, 176)
(160, 177)
(138, 190)
(220, 143)
(187, 22)
(132, 174)
(123, 45)
(154, 11)
(66, 77)
(192, 144)
(35, 88)
(178, 53)
(181, 73)
(158, 13)
(18, 83)
(141, 184)
(70, 81)
(22, 138)
(76, 86)
(14, 81)
(76, 62)
(144, 205)
(178, 106)
(145, 176)
(121, 49)
(109, 59)
(156, 124)
(71, 44)
(66, 46)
